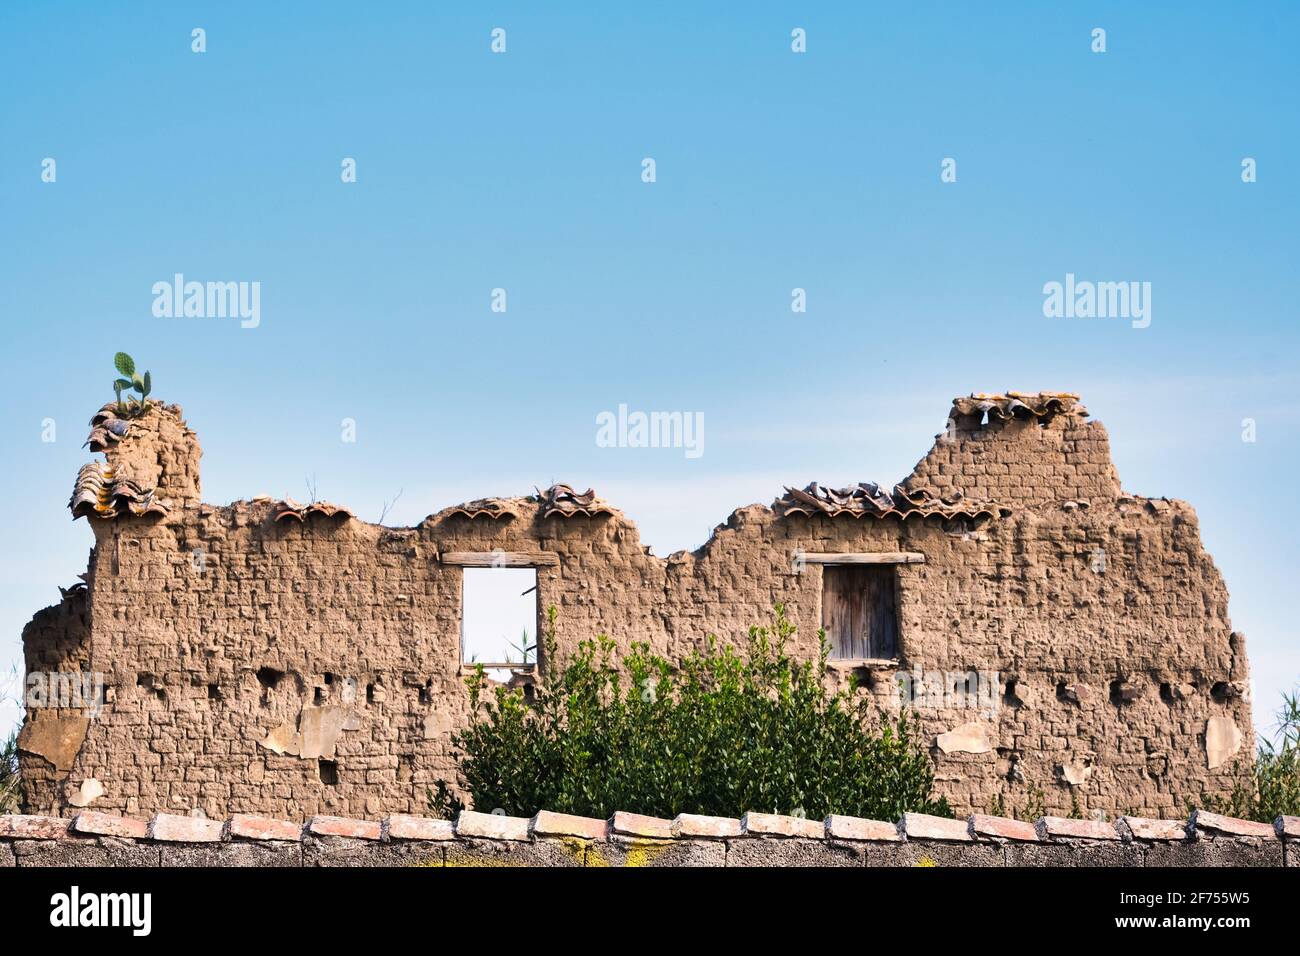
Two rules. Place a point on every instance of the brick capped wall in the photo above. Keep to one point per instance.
(313, 667)
(626, 839)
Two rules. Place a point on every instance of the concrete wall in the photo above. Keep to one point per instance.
(313, 667)
(553, 839)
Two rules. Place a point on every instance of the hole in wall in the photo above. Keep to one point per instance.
(1221, 692)
(426, 693)
(1006, 759)
(1010, 697)
(269, 678)
(150, 683)
(865, 678)
(318, 697)
(214, 692)
(959, 526)
(370, 693)
(329, 772)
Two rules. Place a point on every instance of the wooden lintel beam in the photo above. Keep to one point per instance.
(500, 559)
(867, 557)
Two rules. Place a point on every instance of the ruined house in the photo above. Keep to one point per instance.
(292, 659)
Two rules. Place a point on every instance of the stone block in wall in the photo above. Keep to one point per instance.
(1064, 854)
(17, 826)
(347, 827)
(6, 856)
(1140, 828)
(549, 824)
(400, 826)
(780, 825)
(856, 828)
(792, 851)
(416, 853)
(246, 826)
(694, 825)
(923, 826)
(1212, 826)
(91, 823)
(343, 851)
(656, 853)
(491, 826)
(1063, 829)
(509, 852)
(640, 826)
(1215, 853)
(984, 827)
(88, 852)
(933, 854)
(234, 853)
(177, 829)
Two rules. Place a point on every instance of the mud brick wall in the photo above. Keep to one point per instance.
(626, 839)
(55, 641)
(1029, 461)
(313, 667)
(163, 454)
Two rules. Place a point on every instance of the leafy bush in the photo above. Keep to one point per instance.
(1270, 786)
(9, 780)
(143, 384)
(721, 733)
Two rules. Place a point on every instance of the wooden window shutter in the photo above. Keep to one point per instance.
(860, 611)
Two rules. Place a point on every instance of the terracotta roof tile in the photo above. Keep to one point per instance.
(99, 494)
(564, 501)
(867, 499)
(494, 508)
(1021, 405)
(290, 510)
(107, 429)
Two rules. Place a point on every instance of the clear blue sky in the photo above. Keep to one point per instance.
(774, 170)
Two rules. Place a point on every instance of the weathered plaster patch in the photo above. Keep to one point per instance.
(90, 790)
(437, 723)
(969, 738)
(1222, 740)
(316, 734)
(1077, 773)
(57, 739)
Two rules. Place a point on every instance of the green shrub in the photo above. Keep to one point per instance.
(9, 780)
(1270, 787)
(720, 733)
